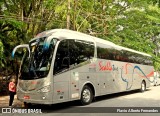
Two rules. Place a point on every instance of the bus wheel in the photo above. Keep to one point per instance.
(143, 86)
(86, 95)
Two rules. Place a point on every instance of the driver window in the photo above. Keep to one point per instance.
(62, 57)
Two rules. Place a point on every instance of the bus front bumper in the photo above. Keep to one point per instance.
(37, 98)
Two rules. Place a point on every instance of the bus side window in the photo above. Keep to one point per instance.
(80, 51)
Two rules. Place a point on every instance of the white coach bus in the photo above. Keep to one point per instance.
(61, 65)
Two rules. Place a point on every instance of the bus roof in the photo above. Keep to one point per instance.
(70, 34)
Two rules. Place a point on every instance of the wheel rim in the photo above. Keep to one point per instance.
(143, 86)
(86, 95)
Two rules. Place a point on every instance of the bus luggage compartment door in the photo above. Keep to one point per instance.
(60, 91)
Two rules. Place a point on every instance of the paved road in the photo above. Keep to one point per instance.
(150, 98)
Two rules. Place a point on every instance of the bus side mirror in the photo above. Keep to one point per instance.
(20, 46)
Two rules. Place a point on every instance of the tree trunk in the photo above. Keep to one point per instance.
(68, 15)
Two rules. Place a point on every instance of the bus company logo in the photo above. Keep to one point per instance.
(107, 66)
(26, 84)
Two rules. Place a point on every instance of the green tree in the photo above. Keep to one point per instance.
(130, 23)
(1, 55)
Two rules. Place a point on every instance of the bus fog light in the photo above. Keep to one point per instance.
(43, 97)
(44, 89)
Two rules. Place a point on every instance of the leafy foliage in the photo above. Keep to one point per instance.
(130, 23)
(1, 54)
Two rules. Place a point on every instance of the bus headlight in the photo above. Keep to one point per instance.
(44, 89)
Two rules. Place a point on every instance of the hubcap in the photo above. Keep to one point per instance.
(86, 95)
(143, 86)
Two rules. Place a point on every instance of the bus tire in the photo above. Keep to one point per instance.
(143, 86)
(86, 95)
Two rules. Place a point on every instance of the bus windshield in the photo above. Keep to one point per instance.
(38, 64)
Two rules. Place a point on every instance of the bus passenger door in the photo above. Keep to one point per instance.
(61, 73)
